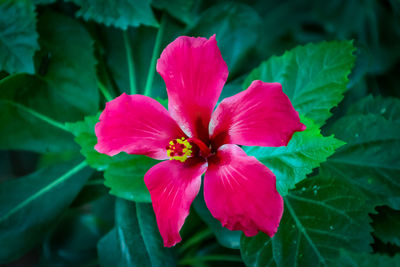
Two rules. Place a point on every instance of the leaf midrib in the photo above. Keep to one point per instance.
(303, 231)
(44, 190)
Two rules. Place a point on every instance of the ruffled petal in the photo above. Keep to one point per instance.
(135, 124)
(194, 73)
(173, 185)
(262, 115)
(241, 192)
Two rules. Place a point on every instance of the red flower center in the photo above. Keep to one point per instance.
(181, 149)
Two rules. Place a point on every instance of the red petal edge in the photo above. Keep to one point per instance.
(262, 115)
(241, 192)
(173, 185)
(194, 73)
(135, 124)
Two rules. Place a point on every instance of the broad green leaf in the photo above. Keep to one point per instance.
(321, 216)
(370, 158)
(386, 225)
(68, 67)
(179, 9)
(388, 108)
(22, 127)
(117, 13)
(73, 241)
(86, 138)
(236, 28)
(135, 240)
(313, 76)
(226, 237)
(65, 90)
(349, 259)
(109, 250)
(305, 151)
(125, 177)
(29, 205)
(124, 173)
(18, 37)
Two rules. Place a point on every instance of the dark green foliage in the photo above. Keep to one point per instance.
(180, 9)
(236, 27)
(135, 240)
(321, 216)
(337, 61)
(314, 77)
(31, 204)
(18, 36)
(386, 224)
(371, 156)
(118, 13)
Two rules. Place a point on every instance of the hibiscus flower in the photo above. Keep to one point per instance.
(238, 190)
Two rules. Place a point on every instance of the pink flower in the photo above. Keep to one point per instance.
(239, 191)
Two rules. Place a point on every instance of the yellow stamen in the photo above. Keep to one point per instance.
(175, 151)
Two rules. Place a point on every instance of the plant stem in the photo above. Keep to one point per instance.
(38, 115)
(156, 52)
(42, 191)
(193, 260)
(131, 66)
(104, 91)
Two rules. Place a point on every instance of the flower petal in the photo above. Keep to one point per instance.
(194, 73)
(136, 124)
(262, 115)
(241, 192)
(173, 185)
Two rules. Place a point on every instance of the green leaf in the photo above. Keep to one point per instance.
(388, 108)
(86, 138)
(226, 237)
(29, 205)
(370, 158)
(73, 241)
(386, 225)
(180, 9)
(135, 240)
(23, 127)
(125, 177)
(321, 216)
(313, 76)
(118, 13)
(305, 151)
(18, 37)
(124, 173)
(65, 90)
(236, 27)
(68, 68)
(349, 259)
